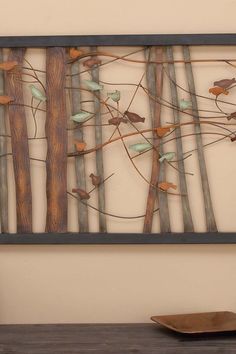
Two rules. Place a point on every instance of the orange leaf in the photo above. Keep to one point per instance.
(75, 53)
(80, 145)
(8, 65)
(218, 90)
(161, 131)
(5, 99)
(166, 185)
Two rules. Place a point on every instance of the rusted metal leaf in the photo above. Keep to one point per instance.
(166, 185)
(80, 145)
(5, 99)
(75, 53)
(217, 90)
(8, 65)
(161, 131)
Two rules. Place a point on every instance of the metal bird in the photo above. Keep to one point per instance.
(96, 180)
(225, 83)
(81, 192)
(117, 120)
(134, 117)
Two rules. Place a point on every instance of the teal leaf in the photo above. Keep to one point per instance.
(140, 147)
(167, 156)
(80, 117)
(92, 85)
(36, 93)
(183, 104)
(115, 95)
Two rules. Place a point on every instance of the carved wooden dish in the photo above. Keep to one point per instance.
(208, 322)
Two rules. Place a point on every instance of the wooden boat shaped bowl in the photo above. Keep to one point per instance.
(206, 322)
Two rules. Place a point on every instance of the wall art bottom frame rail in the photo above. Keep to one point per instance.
(115, 238)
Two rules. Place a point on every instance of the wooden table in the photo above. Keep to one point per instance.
(108, 338)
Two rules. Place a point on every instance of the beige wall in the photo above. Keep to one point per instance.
(114, 283)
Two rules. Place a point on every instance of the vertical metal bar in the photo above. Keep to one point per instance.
(99, 153)
(79, 160)
(56, 132)
(155, 86)
(209, 213)
(3, 159)
(19, 141)
(187, 216)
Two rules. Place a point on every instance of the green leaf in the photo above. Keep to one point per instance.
(36, 93)
(167, 156)
(140, 147)
(183, 104)
(80, 117)
(92, 85)
(115, 95)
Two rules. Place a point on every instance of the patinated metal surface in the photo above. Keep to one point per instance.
(56, 124)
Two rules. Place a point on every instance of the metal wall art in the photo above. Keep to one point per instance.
(123, 136)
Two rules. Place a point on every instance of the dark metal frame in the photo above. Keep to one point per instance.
(117, 239)
(119, 40)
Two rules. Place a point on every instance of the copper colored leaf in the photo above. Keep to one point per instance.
(161, 131)
(5, 99)
(80, 145)
(225, 83)
(166, 185)
(81, 192)
(8, 65)
(96, 180)
(75, 53)
(134, 117)
(218, 91)
(89, 63)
